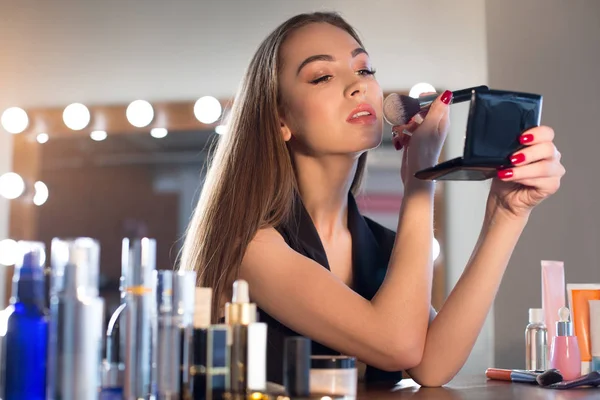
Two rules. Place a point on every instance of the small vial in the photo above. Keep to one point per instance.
(536, 341)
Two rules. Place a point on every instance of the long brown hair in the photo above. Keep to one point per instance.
(250, 183)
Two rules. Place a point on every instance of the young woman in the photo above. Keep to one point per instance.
(278, 210)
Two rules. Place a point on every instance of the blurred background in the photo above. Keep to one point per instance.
(109, 109)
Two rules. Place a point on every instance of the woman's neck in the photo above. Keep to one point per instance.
(324, 184)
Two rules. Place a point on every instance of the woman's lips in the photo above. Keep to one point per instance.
(363, 114)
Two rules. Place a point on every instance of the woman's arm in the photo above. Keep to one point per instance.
(452, 333)
(536, 175)
(312, 301)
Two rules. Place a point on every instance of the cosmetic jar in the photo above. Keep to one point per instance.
(333, 375)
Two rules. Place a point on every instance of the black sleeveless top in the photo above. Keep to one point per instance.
(371, 250)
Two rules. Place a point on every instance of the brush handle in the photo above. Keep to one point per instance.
(458, 96)
(591, 379)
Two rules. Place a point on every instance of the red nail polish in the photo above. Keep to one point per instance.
(505, 174)
(397, 145)
(528, 138)
(517, 158)
(446, 97)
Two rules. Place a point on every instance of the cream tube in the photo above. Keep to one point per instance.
(579, 297)
(553, 294)
(595, 333)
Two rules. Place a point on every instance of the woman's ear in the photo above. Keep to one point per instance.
(286, 132)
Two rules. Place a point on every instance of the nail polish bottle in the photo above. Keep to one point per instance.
(564, 353)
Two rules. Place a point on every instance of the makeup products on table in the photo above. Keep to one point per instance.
(333, 375)
(139, 255)
(553, 295)
(518, 375)
(25, 339)
(536, 344)
(564, 353)
(595, 333)
(76, 315)
(296, 364)
(579, 296)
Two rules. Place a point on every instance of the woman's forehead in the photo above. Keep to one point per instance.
(317, 39)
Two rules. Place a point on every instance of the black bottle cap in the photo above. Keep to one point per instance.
(296, 366)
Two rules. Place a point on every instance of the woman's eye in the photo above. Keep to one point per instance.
(321, 79)
(366, 72)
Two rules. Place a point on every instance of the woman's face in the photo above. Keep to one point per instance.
(331, 101)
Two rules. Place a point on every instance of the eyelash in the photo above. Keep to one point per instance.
(325, 78)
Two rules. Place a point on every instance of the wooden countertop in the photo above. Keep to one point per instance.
(474, 388)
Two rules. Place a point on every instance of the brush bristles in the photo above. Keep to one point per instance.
(399, 109)
(549, 377)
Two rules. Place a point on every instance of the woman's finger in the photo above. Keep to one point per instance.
(536, 135)
(534, 153)
(540, 169)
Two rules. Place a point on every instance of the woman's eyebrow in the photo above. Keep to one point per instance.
(327, 57)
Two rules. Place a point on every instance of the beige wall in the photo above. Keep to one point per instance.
(117, 51)
(550, 47)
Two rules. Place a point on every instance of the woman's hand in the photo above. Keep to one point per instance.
(423, 136)
(536, 174)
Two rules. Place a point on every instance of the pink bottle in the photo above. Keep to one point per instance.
(564, 353)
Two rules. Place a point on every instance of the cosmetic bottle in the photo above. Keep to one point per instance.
(113, 365)
(595, 333)
(25, 339)
(184, 286)
(209, 372)
(239, 314)
(139, 255)
(296, 366)
(76, 319)
(536, 341)
(564, 353)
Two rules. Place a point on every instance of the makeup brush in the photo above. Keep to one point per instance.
(398, 109)
(591, 379)
(547, 377)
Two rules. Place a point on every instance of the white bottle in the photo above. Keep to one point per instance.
(536, 341)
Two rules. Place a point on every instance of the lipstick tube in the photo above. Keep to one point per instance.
(76, 317)
(139, 255)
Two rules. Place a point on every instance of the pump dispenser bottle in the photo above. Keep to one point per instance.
(564, 353)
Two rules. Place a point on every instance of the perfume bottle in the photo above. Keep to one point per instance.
(25, 339)
(76, 319)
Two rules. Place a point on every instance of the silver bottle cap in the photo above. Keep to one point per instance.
(75, 267)
(564, 327)
(138, 259)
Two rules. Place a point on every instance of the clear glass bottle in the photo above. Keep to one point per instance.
(536, 341)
